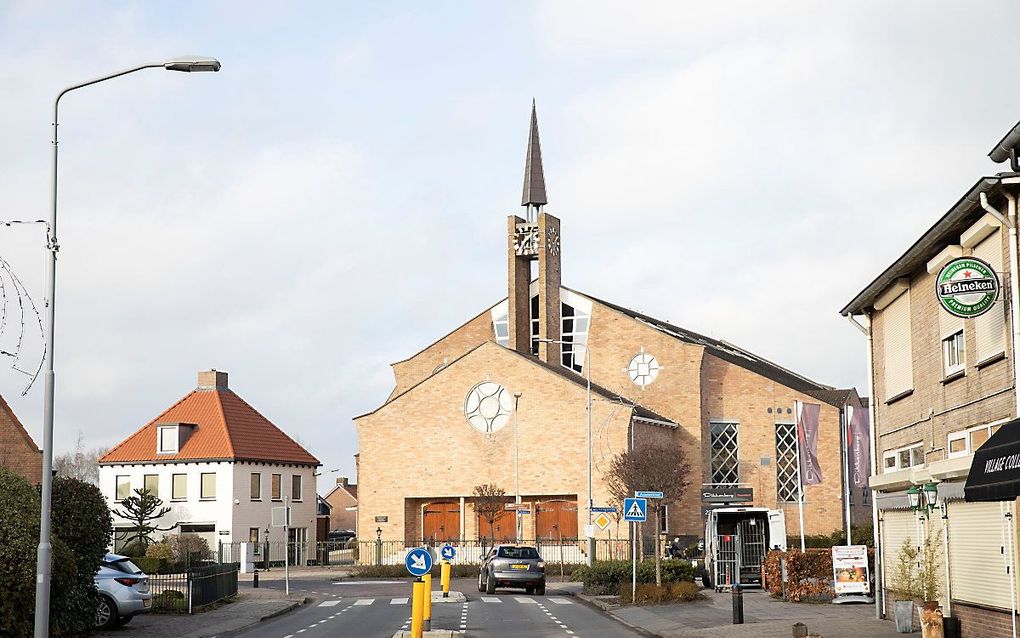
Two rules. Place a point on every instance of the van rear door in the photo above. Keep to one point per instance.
(777, 529)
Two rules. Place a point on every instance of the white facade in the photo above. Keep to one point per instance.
(230, 511)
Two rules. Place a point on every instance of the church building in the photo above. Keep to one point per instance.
(509, 392)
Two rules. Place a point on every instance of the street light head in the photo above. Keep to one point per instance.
(192, 64)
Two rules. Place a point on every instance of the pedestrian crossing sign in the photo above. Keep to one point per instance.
(635, 509)
(602, 521)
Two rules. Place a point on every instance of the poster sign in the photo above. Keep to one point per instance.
(967, 287)
(850, 572)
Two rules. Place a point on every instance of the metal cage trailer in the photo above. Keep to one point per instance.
(736, 541)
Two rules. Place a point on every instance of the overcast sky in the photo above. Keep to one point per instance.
(335, 198)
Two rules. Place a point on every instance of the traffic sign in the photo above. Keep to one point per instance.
(635, 509)
(523, 512)
(447, 552)
(647, 494)
(607, 510)
(602, 521)
(418, 561)
(281, 516)
(515, 506)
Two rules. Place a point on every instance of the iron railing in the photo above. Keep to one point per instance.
(183, 592)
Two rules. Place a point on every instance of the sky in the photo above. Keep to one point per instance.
(335, 198)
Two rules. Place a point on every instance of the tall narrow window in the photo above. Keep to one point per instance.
(277, 487)
(152, 484)
(123, 487)
(899, 368)
(787, 480)
(256, 486)
(208, 487)
(179, 487)
(295, 487)
(725, 462)
(952, 353)
(990, 328)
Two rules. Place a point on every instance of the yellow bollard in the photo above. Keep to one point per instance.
(444, 577)
(427, 615)
(417, 607)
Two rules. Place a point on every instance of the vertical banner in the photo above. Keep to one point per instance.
(807, 442)
(859, 447)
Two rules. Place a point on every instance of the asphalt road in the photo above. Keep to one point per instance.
(378, 609)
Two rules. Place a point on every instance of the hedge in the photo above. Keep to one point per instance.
(606, 577)
(808, 574)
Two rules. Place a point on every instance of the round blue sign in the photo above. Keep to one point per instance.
(418, 561)
(447, 552)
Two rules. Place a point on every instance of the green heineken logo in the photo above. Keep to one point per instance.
(967, 287)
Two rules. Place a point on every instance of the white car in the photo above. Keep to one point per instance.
(123, 591)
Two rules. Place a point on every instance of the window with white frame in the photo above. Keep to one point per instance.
(967, 441)
(724, 456)
(787, 468)
(903, 458)
(952, 353)
(179, 487)
(207, 486)
(123, 487)
(168, 439)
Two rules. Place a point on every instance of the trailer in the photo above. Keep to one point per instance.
(736, 541)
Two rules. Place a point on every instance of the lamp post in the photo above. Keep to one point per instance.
(587, 370)
(517, 469)
(45, 551)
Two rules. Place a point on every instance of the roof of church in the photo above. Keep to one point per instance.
(731, 353)
(534, 178)
(226, 428)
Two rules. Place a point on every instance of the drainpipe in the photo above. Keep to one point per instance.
(945, 552)
(873, 435)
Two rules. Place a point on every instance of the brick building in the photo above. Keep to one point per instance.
(343, 505)
(18, 452)
(499, 401)
(944, 382)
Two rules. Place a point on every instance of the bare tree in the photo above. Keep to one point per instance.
(489, 501)
(81, 464)
(656, 467)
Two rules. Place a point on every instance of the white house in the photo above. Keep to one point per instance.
(219, 465)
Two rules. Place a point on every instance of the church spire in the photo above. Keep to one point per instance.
(534, 178)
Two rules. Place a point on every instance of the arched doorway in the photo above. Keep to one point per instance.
(441, 522)
(556, 519)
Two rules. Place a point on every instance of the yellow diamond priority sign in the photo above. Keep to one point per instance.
(602, 521)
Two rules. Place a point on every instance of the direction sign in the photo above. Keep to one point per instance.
(281, 516)
(447, 552)
(607, 510)
(515, 506)
(602, 521)
(646, 494)
(635, 509)
(523, 512)
(418, 561)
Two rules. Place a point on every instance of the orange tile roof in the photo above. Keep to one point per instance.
(227, 428)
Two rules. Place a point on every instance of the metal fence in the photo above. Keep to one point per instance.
(184, 592)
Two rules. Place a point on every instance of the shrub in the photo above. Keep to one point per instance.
(606, 577)
(170, 601)
(19, 536)
(672, 592)
(149, 565)
(134, 549)
(187, 548)
(399, 571)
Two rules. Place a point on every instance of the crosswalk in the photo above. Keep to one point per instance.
(364, 602)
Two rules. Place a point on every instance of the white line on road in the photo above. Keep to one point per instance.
(560, 601)
(365, 601)
(491, 599)
(398, 601)
(330, 603)
(527, 601)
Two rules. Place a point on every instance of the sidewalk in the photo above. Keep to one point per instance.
(764, 617)
(248, 608)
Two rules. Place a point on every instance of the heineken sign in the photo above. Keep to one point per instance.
(967, 287)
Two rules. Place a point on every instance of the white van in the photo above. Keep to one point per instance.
(736, 541)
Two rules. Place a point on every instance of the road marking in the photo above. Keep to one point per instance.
(560, 601)
(398, 601)
(527, 601)
(365, 601)
(330, 603)
(491, 599)
(368, 582)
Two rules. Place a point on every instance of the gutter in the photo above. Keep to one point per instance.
(1006, 148)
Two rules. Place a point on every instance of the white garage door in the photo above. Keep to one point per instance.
(978, 557)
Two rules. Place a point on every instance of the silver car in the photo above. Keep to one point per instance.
(123, 591)
(512, 566)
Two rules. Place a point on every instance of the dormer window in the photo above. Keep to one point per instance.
(168, 439)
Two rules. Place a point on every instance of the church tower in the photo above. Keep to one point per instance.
(536, 237)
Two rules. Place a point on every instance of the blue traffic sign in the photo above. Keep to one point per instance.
(447, 552)
(635, 509)
(647, 494)
(418, 561)
(607, 510)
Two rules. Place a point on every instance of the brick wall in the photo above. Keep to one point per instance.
(978, 622)
(18, 452)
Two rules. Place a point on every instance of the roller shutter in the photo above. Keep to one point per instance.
(897, 526)
(896, 335)
(990, 328)
(977, 554)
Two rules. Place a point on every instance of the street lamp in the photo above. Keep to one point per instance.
(587, 369)
(45, 551)
(517, 468)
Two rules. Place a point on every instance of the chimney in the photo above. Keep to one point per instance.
(342, 481)
(212, 380)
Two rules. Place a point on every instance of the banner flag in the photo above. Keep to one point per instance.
(860, 446)
(807, 443)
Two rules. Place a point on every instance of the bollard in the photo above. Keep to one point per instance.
(255, 580)
(444, 577)
(799, 630)
(427, 612)
(417, 607)
(738, 604)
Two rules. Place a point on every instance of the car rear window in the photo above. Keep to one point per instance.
(517, 552)
(125, 566)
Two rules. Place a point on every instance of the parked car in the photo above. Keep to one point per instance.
(518, 566)
(123, 591)
(340, 535)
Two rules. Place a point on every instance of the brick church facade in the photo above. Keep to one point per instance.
(505, 395)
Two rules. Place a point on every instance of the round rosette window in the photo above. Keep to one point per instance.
(643, 369)
(488, 407)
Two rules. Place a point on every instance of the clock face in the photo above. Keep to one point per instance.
(526, 239)
(488, 407)
(553, 241)
(643, 369)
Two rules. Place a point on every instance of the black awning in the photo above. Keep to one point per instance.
(995, 471)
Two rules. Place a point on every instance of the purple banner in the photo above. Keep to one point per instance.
(859, 444)
(807, 443)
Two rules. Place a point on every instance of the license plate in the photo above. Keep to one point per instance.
(518, 566)
(147, 602)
